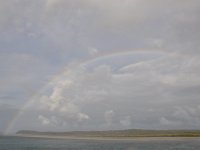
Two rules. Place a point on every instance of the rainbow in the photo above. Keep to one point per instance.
(82, 63)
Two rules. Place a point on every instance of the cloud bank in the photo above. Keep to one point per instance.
(161, 93)
(39, 39)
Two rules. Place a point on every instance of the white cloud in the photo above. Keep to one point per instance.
(109, 114)
(93, 51)
(45, 121)
(83, 99)
(82, 117)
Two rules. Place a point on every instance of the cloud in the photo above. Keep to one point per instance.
(7, 113)
(93, 51)
(19, 76)
(72, 26)
(44, 120)
(169, 123)
(126, 122)
(39, 38)
(182, 116)
(109, 114)
(81, 99)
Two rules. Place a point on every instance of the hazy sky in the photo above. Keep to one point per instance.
(99, 64)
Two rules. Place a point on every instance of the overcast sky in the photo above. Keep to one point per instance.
(99, 64)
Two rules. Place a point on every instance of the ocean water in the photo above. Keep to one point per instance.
(20, 143)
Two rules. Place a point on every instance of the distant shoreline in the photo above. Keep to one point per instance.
(130, 134)
(106, 138)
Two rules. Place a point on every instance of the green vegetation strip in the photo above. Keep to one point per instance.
(118, 133)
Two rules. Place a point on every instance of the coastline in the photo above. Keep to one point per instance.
(108, 138)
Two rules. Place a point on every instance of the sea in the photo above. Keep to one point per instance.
(24, 143)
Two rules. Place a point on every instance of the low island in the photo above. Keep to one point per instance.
(112, 134)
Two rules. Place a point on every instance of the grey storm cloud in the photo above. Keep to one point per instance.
(129, 24)
(39, 39)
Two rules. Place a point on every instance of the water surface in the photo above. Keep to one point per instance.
(22, 143)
